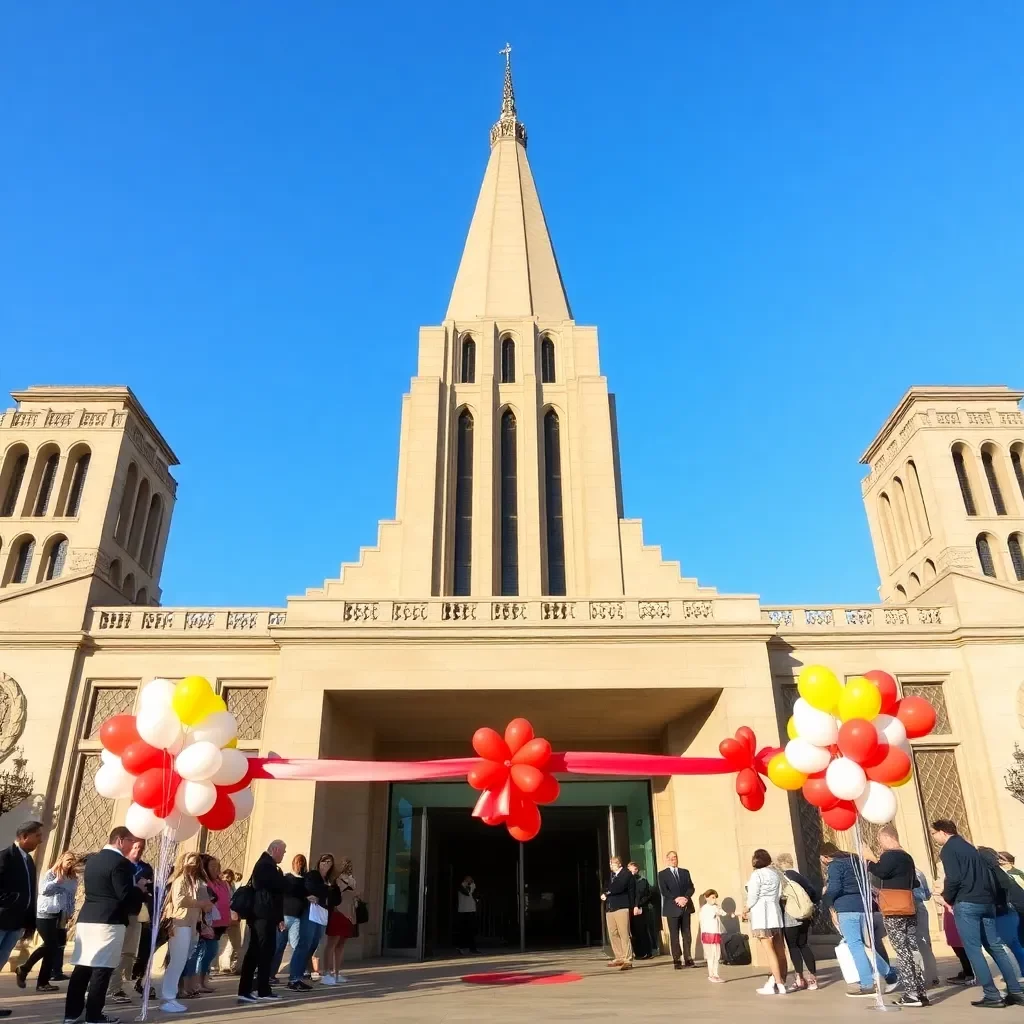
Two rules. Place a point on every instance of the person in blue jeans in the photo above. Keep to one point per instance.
(843, 895)
(18, 890)
(321, 891)
(972, 890)
(296, 909)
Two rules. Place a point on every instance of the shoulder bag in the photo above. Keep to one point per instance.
(896, 902)
(243, 900)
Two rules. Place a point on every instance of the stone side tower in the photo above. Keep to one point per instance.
(85, 503)
(946, 488)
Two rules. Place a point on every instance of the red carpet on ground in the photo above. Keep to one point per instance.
(522, 978)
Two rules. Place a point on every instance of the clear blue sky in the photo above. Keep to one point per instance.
(780, 215)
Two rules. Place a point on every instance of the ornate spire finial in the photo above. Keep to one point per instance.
(508, 126)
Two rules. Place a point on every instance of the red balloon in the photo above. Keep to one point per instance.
(220, 815)
(156, 789)
(547, 792)
(753, 801)
(490, 746)
(497, 819)
(747, 782)
(892, 768)
(734, 752)
(521, 834)
(917, 716)
(524, 814)
(886, 687)
(841, 817)
(858, 740)
(487, 775)
(117, 733)
(517, 733)
(746, 736)
(817, 794)
(537, 752)
(527, 778)
(139, 757)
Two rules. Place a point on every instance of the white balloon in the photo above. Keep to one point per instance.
(159, 726)
(198, 762)
(817, 727)
(181, 827)
(157, 693)
(890, 730)
(806, 757)
(244, 803)
(845, 778)
(219, 728)
(142, 822)
(109, 757)
(234, 765)
(198, 798)
(113, 782)
(877, 803)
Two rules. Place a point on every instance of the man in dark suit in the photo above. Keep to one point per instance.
(112, 895)
(677, 890)
(265, 921)
(18, 890)
(639, 931)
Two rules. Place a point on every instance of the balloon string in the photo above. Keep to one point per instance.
(864, 885)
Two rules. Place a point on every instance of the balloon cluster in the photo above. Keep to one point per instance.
(742, 754)
(848, 745)
(178, 761)
(513, 778)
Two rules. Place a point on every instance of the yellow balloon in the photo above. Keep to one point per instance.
(819, 686)
(783, 774)
(193, 699)
(791, 728)
(860, 699)
(233, 745)
(904, 780)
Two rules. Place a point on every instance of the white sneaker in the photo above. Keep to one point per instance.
(328, 979)
(315, 976)
(173, 1007)
(768, 988)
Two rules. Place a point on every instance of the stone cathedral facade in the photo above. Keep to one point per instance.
(507, 583)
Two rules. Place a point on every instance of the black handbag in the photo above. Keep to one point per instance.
(362, 912)
(243, 901)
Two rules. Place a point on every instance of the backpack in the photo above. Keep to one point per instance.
(799, 904)
(736, 949)
(243, 900)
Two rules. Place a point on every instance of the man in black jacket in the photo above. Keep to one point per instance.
(18, 890)
(639, 931)
(620, 900)
(677, 907)
(112, 895)
(265, 920)
(972, 891)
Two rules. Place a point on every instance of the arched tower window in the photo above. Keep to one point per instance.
(555, 530)
(1017, 458)
(124, 513)
(901, 594)
(153, 523)
(509, 507)
(508, 360)
(960, 465)
(547, 360)
(915, 582)
(142, 597)
(885, 519)
(14, 475)
(462, 574)
(1017, 554)
(904, 529)
(139, 518)
(23, 560)
(46, 479)
(985, 557)
(129, 586)
(115, 573)
(56, 558)
(917, 502)
(78, 475)
(468, 362)
(929, 569)
(988, 455)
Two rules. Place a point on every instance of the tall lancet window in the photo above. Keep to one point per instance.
(509, 507)
(508, 360)
(463, 563)
(553, 504)
(468, 368)
(547, 360)
(964, 480)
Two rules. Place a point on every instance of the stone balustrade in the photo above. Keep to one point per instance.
(134, 620)
(850, 618)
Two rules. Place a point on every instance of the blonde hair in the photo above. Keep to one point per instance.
(345, 866)
(784, 860)
(68, 872)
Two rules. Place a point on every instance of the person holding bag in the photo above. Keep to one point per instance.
(897, 878)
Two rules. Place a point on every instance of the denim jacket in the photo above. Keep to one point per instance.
(56, 896)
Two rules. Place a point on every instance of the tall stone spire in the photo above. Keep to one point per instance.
(508, 267)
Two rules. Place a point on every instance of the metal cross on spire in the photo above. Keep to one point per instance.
(508, 125)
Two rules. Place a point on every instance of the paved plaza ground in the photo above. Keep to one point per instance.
(380, 991)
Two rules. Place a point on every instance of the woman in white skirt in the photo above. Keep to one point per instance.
(187, 900)
(764, 912)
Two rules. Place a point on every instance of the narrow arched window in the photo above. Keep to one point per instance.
(1017, 458)
(509, 507)
(547, 360)
(915, 582)
(917, 501)
(904, 529)
(468, 374)
(23, 560)
(988, 463)
(77, 485)
(555, 530)
(962, 478)
(1016, 555)
(143, 596)
(139, 519)
(55, 561)
(901, 594)
(508, 360)
(14, 482)
(115, 573)
(153, 523)
(929, 569)
(124, 513)
(462, 575)
(46, 484)
(129, 586)
(892, 552)
(988, 565)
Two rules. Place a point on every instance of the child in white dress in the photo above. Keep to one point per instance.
(711, 915)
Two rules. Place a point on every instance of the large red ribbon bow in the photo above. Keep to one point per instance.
(750, 764)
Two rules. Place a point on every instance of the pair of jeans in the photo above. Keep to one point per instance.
(1008, 927)
(975, 921)
(851, 927)
(203, 956)
(8, 940)
(310, 935)
(51, 934)
(289, 937)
